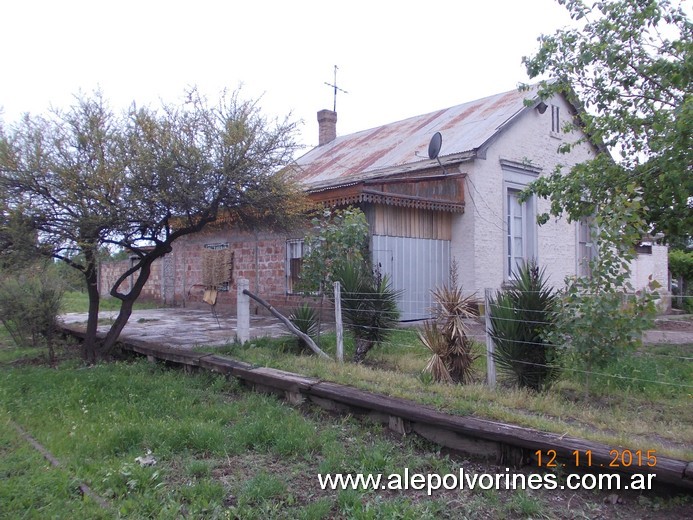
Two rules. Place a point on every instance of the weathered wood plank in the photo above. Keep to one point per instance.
(285, 381)
(668, 470)
(222, 364)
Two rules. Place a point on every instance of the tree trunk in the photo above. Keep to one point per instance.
(118, 325)
(89, 345)
(362, 347)
(126, 303)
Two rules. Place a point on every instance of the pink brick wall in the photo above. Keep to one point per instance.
(176, 280)
(110, 271)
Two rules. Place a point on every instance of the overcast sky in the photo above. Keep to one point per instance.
(396, 59)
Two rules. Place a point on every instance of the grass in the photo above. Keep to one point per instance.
(78, 301)
(222, 452)
(652, 386)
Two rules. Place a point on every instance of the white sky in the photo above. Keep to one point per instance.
(396, 59)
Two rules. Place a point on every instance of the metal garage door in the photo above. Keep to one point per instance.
(415, 266)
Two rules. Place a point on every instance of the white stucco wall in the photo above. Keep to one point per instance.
(479, 235)
(655, 265)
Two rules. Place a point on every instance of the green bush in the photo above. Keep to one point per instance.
(520, 318)
(681, 264)
(304, 319)
(29, 305)
(369, 306)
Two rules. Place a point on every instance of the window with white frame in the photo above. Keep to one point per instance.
(520, 232)
(520, 216)
(294, 262)
(587, 250)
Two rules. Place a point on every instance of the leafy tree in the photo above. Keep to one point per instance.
(84, 178)
(630, 63)
(600, 316)
(681, 268)
(340, 237)
(681, 264)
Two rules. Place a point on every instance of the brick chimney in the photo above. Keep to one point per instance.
(327, 125)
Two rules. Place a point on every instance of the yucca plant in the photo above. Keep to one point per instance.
(521, 316)
(369, 306)
(447, 336)
(304, 319)
(432, 339)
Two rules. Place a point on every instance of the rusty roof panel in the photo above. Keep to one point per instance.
(464, 128)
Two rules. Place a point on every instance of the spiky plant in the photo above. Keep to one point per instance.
(453, 347)
(432, 338)
(304, 319)
(369, 306)
(521, 316)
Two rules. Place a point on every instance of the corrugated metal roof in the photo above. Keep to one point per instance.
(464, 128)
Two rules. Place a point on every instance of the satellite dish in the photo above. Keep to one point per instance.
(434, 149)
(434, 146)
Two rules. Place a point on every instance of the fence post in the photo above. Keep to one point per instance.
(490, 362)
(242, 311)
(338, 320)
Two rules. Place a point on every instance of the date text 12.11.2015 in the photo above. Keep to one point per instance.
(583, 459)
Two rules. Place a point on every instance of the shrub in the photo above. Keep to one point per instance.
(29, 306)
(369, 306)
(521, 316)
(304, 319)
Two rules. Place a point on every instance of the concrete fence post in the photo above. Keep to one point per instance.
(490, 346)
(338, 320)
(242, 311)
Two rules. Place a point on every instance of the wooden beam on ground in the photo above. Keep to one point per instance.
(465, 433)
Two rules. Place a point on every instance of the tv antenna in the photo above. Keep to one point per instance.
(434, 149)
(336, 88)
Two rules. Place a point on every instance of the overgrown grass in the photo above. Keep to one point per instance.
(221, 452)
(650, 387)
(11, 353)
(78, 301)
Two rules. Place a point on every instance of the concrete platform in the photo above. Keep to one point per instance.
(182, 328)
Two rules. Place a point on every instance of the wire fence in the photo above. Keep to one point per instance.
(477, 331)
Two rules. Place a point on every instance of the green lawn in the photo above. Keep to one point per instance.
(77, 301)
(224, 452)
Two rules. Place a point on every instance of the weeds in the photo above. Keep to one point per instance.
(221, 452)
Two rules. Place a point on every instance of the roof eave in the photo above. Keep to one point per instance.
(447, 160)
